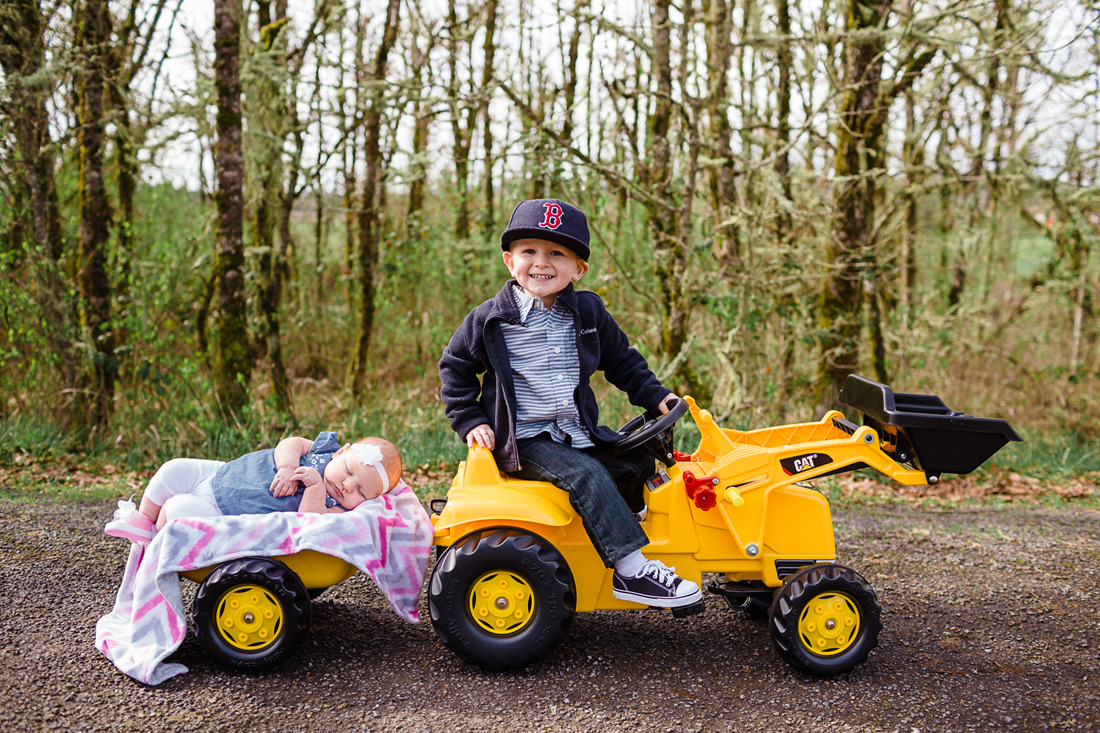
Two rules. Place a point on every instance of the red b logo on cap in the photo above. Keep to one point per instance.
(551, 219)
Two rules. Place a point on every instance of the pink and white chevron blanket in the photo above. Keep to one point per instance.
(388, 538)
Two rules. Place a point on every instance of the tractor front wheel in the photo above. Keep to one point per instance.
(501, 598)
(250, 613)
(825, 620)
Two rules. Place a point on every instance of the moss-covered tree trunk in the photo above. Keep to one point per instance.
(850, 261)
(784, 69)
(232, 360)
(266, 106)
(913, 157)
(723, 196)
(93, 38)
(350, 131)
(28, 86)
(663, 204)
(488, 72)
(656, 174)
(463, 119)
(422, 117)
(369, 214)
(860, 150)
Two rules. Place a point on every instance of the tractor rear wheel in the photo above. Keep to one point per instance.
(501, 598)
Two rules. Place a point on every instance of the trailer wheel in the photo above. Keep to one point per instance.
(250, 613)
(501, 599)
(825, 620)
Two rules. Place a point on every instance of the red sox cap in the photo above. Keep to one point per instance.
(549, 219)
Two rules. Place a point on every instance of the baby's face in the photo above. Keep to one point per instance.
(349, 481)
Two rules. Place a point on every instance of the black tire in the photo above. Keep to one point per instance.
(272, 613)
(524, 601)
(825, 620)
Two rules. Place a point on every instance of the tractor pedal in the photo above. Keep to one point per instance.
(685, 611)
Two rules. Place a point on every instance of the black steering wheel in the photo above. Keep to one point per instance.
(652, 432)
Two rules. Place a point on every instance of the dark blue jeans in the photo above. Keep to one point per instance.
(604, 489)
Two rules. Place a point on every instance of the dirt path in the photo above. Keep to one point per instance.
(990, 621)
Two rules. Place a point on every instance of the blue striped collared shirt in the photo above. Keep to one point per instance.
(545, 370)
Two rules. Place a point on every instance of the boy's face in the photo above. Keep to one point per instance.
(543, 269)
(349, 481)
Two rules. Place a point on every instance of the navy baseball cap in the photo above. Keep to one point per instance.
(549, 219)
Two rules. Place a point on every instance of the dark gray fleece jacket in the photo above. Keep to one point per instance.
(478, 348)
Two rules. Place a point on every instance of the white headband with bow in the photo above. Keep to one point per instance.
(371, 455)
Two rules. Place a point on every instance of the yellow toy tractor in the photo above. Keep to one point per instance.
(515, 564)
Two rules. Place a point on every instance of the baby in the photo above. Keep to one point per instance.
(298, 475)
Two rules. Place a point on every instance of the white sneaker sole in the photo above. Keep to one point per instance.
(687, 600)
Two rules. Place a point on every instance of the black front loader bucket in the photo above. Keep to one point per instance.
(922, 431)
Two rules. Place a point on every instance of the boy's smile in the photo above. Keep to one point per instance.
(543, 269)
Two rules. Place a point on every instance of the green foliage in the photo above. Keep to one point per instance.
(1051, 455)
(1002, 245)
(22, 435)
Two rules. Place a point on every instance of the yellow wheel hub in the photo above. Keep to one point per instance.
(829, 624)
(249, 617)
(501, 602)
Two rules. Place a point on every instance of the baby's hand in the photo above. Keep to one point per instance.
(481, 435)
(283, 483)
(307, 475)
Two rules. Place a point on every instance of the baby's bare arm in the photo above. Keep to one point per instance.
(288, 453)
(313, 498)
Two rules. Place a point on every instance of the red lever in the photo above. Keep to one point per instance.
(681, 457)
(701, 490)
(705, 498)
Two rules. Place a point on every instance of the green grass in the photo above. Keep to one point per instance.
(1050, 455)
(24, 435)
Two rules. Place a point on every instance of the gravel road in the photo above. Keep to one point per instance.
(990, 622)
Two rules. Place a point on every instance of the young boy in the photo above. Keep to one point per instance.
(298, 475)
(537, 343)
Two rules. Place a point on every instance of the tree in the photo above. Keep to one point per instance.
(232, 357)
(488, 218)
(863, 110)
(421, 74)
(668, 211)
(127, 57)
(369, 213)
(266, 104)
(93, 39)
(463, 117)
(723, 195)
(27, 87)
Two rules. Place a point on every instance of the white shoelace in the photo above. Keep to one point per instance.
(658, 571)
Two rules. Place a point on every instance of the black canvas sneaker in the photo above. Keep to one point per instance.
(656, 585)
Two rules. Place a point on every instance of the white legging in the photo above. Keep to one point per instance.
(183, 487)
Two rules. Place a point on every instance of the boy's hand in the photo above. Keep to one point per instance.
(482, 435)
(283, 483)
(663, 407)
